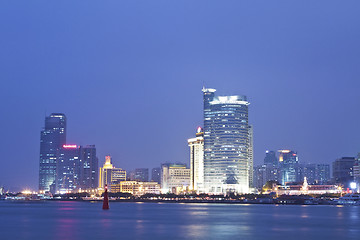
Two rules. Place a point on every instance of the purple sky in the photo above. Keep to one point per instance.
(128, 75)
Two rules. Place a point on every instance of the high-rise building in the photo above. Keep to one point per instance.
(356, 171)
(343, 171)
(67, 169)
(141, 174)
(270, 158)
(251, 156)
(226, 143)
(289, 166)
(271, 167)
(156, 175)
(174, 178)
(52, 138)
(89, 168)
(322, 174)
(108, 174)
(259, 176)
(76, 168)
(197, 160)
(309, 171)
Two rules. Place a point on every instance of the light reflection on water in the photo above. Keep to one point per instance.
(84, 220)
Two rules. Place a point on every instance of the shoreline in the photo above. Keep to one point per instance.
(185, 202)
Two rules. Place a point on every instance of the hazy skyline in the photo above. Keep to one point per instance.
(128, 76)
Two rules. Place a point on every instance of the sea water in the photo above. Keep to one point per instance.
(86, 220)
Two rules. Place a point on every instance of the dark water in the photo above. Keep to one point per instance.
(85, 220)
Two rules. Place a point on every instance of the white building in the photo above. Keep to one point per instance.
(197, 161)
(136, 188)
(226, 143)
(175, 178)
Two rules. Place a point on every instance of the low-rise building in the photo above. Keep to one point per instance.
(305, 189)
(136, 188)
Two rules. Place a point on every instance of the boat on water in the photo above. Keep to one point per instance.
(349, 199)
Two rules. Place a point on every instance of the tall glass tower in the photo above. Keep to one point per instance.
(289, 166)
(226, 143)
(52, 138)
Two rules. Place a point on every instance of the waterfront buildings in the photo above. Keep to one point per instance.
(76, 168)
(287, 170)
(52, 138)
(109, 174)
(315, 173)
(136, 188)
(197, 161)
(226, 143)
(306, 189)
(175, 178)
(343, 171)
(156, 175)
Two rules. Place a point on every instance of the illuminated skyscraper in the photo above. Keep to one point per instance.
(77, 168)
(52, 138)
(289, 166)
(67, 169)
(226, 143)
(197, 160)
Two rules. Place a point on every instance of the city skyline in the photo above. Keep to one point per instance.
(132, 73)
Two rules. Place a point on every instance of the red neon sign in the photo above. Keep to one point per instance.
(69, 146)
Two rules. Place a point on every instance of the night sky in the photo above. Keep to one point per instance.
(128, 75)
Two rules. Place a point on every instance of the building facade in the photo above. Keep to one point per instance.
(259, 178)
(175, 178)
(141, 174)
(76, 168)
(136, 188)
(226, 143)
(52, 138)
(289, 166)
(271, 159)
(315, 173)
(109, 175)
(89, 168)
(343, 171)
(197, 161)
(68, 169)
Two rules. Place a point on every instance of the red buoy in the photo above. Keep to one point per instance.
(106, 199)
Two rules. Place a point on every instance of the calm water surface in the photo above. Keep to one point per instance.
(85, 220)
